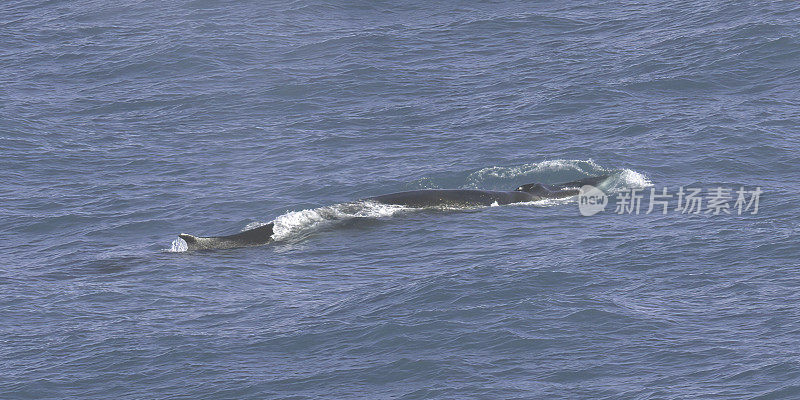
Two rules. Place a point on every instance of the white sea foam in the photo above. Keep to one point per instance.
(297, 223)
(624, 179)
(585, 167)
(178, 246)
(632, 179)
(554, 171)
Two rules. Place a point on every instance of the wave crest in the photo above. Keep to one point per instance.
(553, 171)
(294, 224)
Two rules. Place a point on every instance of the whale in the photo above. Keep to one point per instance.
(425, 198)
(250, 237)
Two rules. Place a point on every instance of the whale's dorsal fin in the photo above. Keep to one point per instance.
(189, 239)
(251, 237)
(258, 235)
(536, 189)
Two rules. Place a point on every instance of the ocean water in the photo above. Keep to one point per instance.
(124, 124)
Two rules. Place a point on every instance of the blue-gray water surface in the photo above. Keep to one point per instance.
(124, 124)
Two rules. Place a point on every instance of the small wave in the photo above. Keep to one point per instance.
(297, 224)
(553, 171)
(629, 178)
(583, 166)
(549, 171)
(178, 246)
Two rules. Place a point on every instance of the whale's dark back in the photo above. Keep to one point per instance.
(452, 198)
